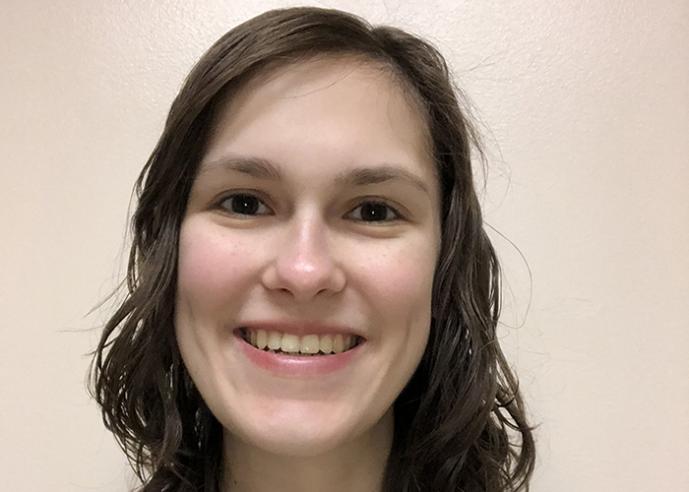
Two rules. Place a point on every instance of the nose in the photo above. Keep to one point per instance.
(301, 263)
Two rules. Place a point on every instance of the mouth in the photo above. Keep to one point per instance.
(294, 345)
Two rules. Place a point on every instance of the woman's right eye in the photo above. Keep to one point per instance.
(242, 204)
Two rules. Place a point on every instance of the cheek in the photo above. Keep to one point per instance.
(212, 270)
(400, 283)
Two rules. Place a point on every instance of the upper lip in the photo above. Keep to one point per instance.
(301, 328)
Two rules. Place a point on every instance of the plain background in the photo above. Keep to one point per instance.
(584, 106)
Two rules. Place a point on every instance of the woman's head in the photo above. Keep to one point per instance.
(219, 245)
(292, 227)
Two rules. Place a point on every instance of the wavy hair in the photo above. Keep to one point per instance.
(460, 422)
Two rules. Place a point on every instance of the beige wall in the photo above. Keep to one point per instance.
(585, 107)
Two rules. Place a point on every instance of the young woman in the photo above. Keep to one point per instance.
(312, 300)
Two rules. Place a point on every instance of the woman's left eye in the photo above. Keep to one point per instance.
(377, 211)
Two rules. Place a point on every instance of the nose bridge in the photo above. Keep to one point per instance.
(303, 262)
(306, 244)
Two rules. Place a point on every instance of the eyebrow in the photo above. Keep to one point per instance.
(261, 168)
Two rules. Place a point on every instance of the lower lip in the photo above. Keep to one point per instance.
(298, 366)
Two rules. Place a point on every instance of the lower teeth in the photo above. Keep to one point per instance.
(293, 353)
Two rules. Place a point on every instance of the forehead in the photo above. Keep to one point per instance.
(331, 109)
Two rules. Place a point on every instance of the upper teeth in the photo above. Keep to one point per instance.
(308, 344)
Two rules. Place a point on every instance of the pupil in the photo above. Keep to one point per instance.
(244, 204)
(375, 211)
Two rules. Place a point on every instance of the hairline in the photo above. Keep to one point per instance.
(271, 68)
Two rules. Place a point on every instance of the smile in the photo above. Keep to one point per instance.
(307, 345)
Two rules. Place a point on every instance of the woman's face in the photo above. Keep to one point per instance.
(314, 215)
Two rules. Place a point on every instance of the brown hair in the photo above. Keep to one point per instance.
(460, 423)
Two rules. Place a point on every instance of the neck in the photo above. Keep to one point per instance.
(355, 465)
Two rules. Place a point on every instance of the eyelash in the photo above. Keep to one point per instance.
(397, 215)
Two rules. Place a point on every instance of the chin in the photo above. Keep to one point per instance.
(295, 442)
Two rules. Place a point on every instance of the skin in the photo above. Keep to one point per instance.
(309, 250)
